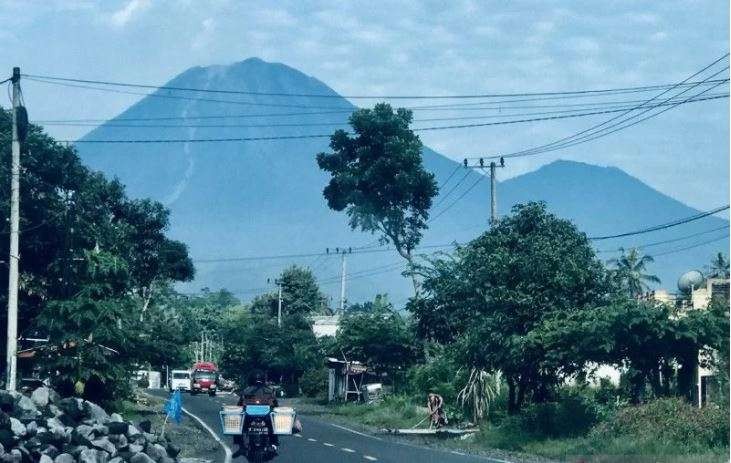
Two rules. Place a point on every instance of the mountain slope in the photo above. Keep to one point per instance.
(259, 198)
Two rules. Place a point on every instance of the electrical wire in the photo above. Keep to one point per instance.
(455, 107)
(663, 226)
(566, 141)
(658, 243)
(113, 123)
(440, 213)
(335, 95)
(703, 243)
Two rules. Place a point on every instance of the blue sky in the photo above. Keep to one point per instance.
(409, 47)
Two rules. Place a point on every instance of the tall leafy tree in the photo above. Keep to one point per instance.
(379, 180)
(300, 295)
(630, 271)
(491, 296)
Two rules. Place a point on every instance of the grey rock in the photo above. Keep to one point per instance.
(13, 457)
(100, 430)
(173, 450)
(116, 417)
(119, 440)
(149, 437)
(167, 460)
(64, 458)
(32, 428)
(106, 445)
(132, 431)
(26, 409)
(85, 431)
(146, 425)
(55, 411)
(95, 412)
(54, 425)
(116, 460)
(141, 458)
(156, 451)
(45, 459)
(17, 427)
(117, 427)
(50, 451)
(92, 456)
(135, 448)
(41, 396)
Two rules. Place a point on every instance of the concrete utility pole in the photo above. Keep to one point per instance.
(493, 185)
(12, 341)
(279, 305)
(342, 282)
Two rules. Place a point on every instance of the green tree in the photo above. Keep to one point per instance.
(379, 180)
(719, 267)
(91, 343)
(630, 272)
(300, 295)
(494, 292)
(380, 338)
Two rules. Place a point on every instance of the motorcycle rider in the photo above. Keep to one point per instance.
(258, 393)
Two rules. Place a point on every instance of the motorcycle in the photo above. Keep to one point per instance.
(257, 422)
(253, 427)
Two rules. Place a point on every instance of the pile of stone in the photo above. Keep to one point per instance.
(47, 429)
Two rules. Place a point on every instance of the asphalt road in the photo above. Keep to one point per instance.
(324, 442)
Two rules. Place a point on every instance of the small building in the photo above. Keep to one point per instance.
(344, 379)
(325, 325)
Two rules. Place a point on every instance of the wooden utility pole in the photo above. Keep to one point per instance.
(12, 340)
(279, 305)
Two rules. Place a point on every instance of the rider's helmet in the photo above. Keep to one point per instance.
(256, 378)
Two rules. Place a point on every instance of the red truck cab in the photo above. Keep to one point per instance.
(204, 378)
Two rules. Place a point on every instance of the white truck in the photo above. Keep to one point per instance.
(180, 379)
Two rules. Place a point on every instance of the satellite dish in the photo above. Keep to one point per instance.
(690, 280)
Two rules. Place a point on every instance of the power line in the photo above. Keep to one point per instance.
(113, 123)
(658, 243)
(297, 137)
(674, 223)
(703, 243)
(364, 250)
(481, 178)
(335, 95)
(570, 140)
(453, 107)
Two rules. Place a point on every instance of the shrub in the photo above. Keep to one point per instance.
(314, 382)
(572, 415)
(672, 421)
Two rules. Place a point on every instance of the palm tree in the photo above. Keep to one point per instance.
(629, 271)
(719, 267)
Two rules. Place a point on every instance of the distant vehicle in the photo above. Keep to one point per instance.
(204, 378)
(180, 379)
(226, 384)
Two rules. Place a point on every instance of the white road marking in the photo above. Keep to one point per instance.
(226, 450)
(370, 458)
(362, 434)
(328, 444)
(345, 449)
(311, 439)
(458, 453)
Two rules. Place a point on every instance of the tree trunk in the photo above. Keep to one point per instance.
(512, 408)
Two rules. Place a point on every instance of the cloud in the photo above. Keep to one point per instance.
(121, 17)
(205, 36)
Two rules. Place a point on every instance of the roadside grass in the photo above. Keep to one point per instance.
(393, 412)
(663, 431)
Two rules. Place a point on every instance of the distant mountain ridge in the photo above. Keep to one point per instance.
(264, 198)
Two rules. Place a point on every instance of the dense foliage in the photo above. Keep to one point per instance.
(91, 259)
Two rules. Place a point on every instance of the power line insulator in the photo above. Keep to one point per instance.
(482, 162)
